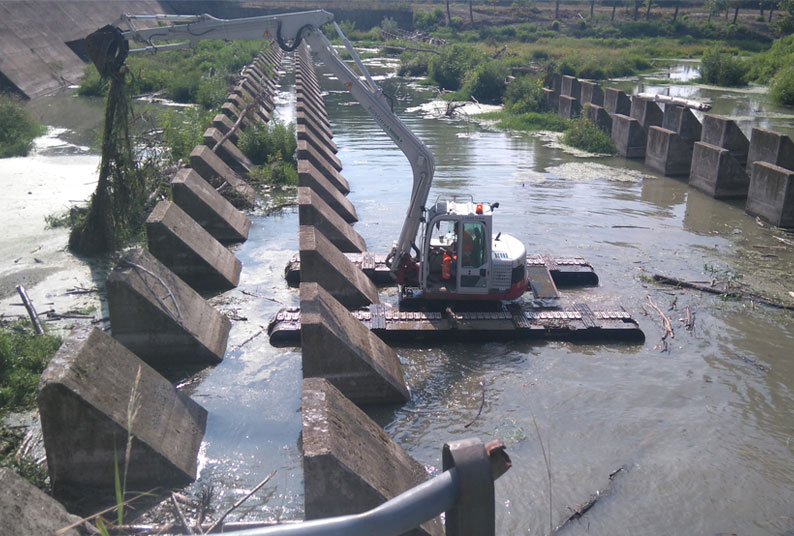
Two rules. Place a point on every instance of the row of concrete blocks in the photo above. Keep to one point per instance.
(350, 465)
(716, 156)
(99, 390)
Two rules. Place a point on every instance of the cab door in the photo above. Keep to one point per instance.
(474, 257)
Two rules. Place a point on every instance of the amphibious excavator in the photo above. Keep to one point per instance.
(459, 257)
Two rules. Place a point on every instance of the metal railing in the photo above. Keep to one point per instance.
(464, 491)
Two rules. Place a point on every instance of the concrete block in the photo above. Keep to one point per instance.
(304, 134)
(591, 93)
(223, 178)
(323, 263)
(230, 110)
(723, 132)
(683, 122)
(189, 251)
(771, 194)
(26, 510)
(208, 208)
(338, 347)
(306, 151)
(629, 136)
(569, 107)
(159, 318)
(571, 87)
(312, 210)
(87, 396)
(555, 83)
(320, 121)
(617, 102)
(667, 153)
(770, 147)
(344, 477)
(309, 102)
(599, 116)
(308, 84)
(551, 99)
(225, 125)
(310, 177)
(320, 135)
(228, 152)
(716, 172)
(647, 112)
(302, 92)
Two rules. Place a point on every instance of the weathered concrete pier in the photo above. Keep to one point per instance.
(715, 156)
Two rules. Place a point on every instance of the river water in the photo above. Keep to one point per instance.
(703, 430)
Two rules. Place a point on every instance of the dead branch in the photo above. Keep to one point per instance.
(482, 404)
(180, 515)
(666, 325)
(249, 339)
(255, 295)
(30, 309)
(241, 501)
(582, 509)
(733, 293)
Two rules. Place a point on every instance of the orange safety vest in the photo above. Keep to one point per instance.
(446, 266)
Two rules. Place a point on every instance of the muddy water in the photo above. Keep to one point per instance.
(703, 430)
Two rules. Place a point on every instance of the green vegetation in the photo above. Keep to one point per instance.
(17, 128)
(584, 134)
(183, 130)
(198, 76)
(719, 66)
(773, 67)
(272, 148)
(23, 357)
(531, 121)
(10, 442)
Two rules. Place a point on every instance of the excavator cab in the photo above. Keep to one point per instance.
(462, 260)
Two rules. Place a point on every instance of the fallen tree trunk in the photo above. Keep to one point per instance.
(731, 293)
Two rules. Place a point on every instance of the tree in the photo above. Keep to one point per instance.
(637, 8)
(677, 5)
(449, 16)
(471, 14)
(648, 12)
(737, 4)
(592, 6)
(556, 9)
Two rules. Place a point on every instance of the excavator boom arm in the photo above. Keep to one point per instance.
(289, 30)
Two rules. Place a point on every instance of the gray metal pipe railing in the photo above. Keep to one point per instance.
(464, 491)
(396, 516)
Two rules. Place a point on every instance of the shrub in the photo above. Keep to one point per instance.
(584, 134)
(414, 63)
(449, 68)
(17, 129)
(211, 92)
(782, 87)
(265, 141)
(183, 130)
(388, 25)
(276, 172)
(92, 84)
(720, 67)
(428, 21)
(456, 23)
(555, 26)
(524, 95)
(486, 82)
(183, 87)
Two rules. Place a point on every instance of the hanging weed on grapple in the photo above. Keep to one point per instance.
(116, 207)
